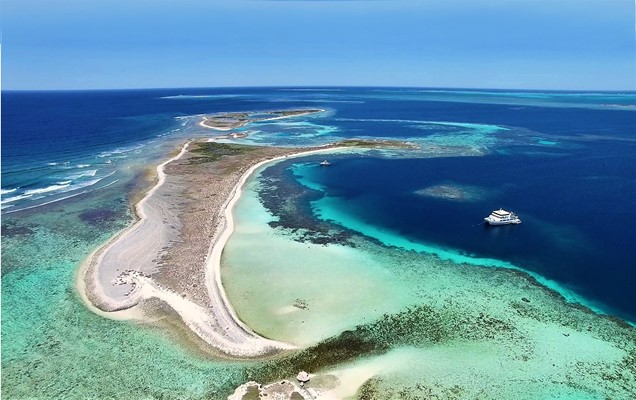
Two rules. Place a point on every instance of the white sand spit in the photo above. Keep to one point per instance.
(117, 279)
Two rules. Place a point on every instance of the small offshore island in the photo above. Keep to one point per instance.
(234, 120)
(165, 270)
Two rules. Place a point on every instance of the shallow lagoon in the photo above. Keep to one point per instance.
(413, 322)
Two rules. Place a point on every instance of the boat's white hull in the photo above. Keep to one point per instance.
(506, 222)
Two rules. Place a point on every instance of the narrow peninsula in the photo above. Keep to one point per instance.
(168, 260)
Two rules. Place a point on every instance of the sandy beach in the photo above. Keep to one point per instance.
(172, 252)
(205, 124)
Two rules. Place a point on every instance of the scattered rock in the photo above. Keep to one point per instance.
(300, 303)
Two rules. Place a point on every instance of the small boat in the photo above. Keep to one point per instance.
(502, 217)
(325, 163)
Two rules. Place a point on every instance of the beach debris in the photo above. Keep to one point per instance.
(277, 390)
(300, 303)
(130, 277)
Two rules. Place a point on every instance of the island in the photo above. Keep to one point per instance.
(166, 265)
(234, 120)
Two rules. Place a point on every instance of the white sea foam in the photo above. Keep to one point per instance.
(84, 184)
(83, 174)
(48, 202)
(15, 198)
(87, 183)
(59, 198)
(202, 96)
(52, 188)
(56, 189)
(83, 165)
(7, 191)
(60, 165)
(120, 151)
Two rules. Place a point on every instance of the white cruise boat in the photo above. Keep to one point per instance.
(325, 163)
(502, 217)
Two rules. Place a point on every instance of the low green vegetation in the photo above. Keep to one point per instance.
(211, 151)
(289, 113)
(377, 143)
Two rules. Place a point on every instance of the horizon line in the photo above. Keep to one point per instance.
(450, 88)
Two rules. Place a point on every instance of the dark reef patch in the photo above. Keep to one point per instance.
(376, 388)
(347, 346)
(417, 326)
(99, 216)
(290, 201)
(12, 229)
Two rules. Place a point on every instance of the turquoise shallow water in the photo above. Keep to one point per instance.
(335, 210)
(54, 347)
(425, 321)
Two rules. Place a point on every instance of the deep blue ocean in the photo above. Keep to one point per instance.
(565, 162)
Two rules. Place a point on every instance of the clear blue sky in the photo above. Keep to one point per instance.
(549, 44)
